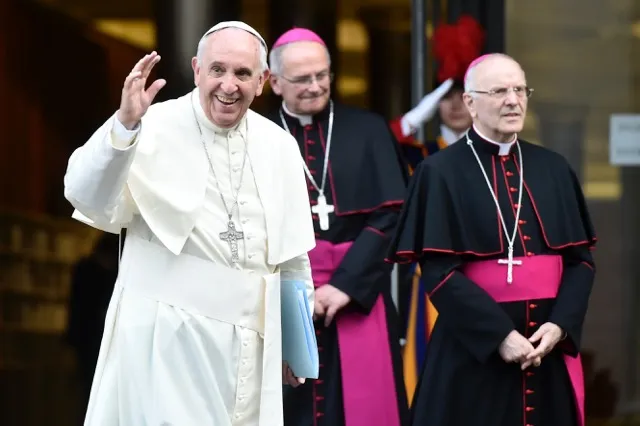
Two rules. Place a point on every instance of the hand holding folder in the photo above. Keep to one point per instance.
(299, 345)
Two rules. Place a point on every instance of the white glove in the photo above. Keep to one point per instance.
(425, 110)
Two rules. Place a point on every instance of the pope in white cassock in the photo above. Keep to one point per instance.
(214, 200)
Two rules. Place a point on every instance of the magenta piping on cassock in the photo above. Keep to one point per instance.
(538, 277)
(368, 385)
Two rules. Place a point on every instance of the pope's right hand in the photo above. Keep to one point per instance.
(135, 99)
(288, 378)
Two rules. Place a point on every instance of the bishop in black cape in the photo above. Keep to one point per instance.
(366, 184)
(450, 224)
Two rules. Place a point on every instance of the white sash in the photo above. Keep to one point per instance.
(225, 294)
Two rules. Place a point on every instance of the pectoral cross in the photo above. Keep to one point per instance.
(322, 209)
(510, 262)
(231, 236)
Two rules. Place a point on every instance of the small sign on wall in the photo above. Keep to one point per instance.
(624, 139)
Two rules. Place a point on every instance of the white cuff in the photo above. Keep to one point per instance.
(121, 137)
(428, 106)
(406, 127)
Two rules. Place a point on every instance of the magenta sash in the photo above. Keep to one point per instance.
(538, 277)
(368, 385)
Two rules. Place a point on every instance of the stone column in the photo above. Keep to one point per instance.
(630, 208)
(561, 128)
(179, 26)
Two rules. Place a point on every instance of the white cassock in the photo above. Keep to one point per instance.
(190, 338)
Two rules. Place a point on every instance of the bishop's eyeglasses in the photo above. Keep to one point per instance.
(307, 80)
(502, 92)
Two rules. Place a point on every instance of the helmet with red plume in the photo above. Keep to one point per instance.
(455, 46)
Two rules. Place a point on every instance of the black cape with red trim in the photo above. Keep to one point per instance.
(449, 207)
(366, 184)
(449, 219)
(367, 171)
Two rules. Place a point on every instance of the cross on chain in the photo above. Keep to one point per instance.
(510, 262)
(231, 236)
(322, 209)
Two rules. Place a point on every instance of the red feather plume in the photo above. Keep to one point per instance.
(456, 45)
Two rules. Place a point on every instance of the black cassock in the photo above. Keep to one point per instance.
(366, 184)
(449, 220)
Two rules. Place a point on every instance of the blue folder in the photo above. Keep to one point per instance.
(299, 345)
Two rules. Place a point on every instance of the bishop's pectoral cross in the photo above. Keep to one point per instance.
(322, 209)
(510, 262)
(231, 236)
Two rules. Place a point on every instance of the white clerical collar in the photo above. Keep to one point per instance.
(450, 136)
(304, 119)
(505, 147)
(204, 120)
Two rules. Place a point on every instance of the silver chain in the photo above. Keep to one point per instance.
(320, 189)
(206, 150)
(511, 240)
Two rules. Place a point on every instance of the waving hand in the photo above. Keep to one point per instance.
(135, 99)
